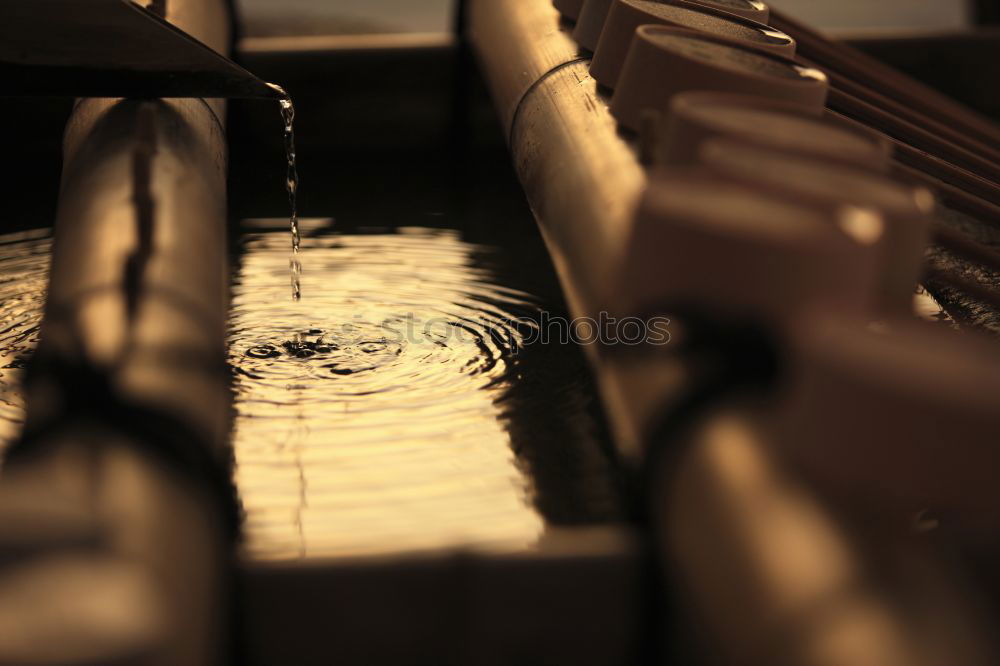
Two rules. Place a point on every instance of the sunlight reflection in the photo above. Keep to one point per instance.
(366, 418)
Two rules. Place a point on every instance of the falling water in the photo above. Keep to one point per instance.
(292, 185)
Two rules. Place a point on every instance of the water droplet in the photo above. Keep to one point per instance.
(263, 351)
(373, 347)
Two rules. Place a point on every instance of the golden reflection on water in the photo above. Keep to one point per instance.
(366, 420)
(372, 416)
(24, 265)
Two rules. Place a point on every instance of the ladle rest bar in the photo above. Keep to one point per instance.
(583, 179)
(128, 402)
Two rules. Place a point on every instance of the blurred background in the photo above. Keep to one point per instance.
(298, 17)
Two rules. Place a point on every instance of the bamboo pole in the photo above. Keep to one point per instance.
(128, 398)
(776, 573)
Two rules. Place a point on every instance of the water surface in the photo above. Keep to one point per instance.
(400, 406)
(383, 412)
(24, 265)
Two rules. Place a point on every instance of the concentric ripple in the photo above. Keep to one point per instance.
(366, 412)
(390, 410)
(24, 265)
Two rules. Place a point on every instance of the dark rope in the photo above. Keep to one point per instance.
(734, 357)
(88, 396)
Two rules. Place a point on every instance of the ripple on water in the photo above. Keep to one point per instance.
(24, 265)
(366, 412)
(370, 416)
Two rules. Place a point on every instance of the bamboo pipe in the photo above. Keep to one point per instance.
(128, 397)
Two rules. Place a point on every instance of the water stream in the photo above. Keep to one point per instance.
(292, 187)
